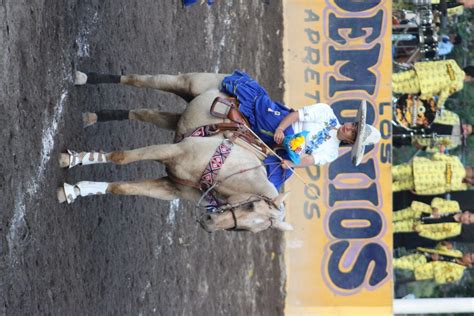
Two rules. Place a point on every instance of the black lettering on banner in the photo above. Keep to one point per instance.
(313, 56)
(357, 5)
(349, 266)
(355, 70)
(386, 153)
(371, 255)
(358, 27)
(386, 132)
(312, 35)
(313, 172)
(315, 96)
(311, 16)
(309, 208)
(360, 215)
(386, 129)
(312, 74)
(312, 193)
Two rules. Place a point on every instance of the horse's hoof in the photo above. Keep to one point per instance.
(80, 78)
(88, 119)
(61, 195)
(63, 160)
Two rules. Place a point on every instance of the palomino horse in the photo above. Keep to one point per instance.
(248, 200)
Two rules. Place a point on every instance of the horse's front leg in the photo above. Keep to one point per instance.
(162, 189)
(187, 86)
(162, 153)
(164, 120)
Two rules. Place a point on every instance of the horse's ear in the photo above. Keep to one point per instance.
(280, 198)
(284, 226)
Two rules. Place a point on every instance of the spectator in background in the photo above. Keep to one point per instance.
(447, 42)
(441, 220)
(414, 240)
(433, 78)
(450, 133)
(442, 264)
(433, 175)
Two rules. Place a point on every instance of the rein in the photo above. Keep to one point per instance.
(307, 186)
(228, 206)
(231, 208)
(215, 184)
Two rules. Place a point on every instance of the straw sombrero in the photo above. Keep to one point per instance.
(366, 135)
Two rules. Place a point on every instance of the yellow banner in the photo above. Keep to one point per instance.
(338, 257)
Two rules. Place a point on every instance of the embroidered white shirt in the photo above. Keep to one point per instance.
(315, 118)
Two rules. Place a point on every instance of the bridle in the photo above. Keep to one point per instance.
(231, 208)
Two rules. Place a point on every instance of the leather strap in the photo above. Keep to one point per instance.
(215, 164)
(210, 173)
(232, 112)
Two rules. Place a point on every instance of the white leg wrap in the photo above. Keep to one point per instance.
(80, 78)
(70, 193)
(84, 188)
(88, 158)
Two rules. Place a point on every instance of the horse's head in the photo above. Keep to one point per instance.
(251, 213)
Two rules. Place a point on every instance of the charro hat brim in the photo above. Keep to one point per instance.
(366, 135)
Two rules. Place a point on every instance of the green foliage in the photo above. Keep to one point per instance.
(463, 101)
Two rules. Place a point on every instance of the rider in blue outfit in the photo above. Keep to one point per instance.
(272, 122)
(264, 116)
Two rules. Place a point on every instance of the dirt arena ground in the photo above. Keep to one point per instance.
(121, 255)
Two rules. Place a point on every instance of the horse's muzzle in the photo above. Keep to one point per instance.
(207, 223)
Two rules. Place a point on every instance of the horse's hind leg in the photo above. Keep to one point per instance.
(164, 120)
(162, 189)
(188, 86)
(162, 153)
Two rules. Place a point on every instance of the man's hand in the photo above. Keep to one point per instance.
(435, 213)
(279, 135)
(468, 180)
(435, 257)
(287, 164)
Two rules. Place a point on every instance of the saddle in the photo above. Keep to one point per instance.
(228, 108)
(237, 129)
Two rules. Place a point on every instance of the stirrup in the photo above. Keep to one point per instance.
(84, 188)
(88, 159)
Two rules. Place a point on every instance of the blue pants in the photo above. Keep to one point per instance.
(264, 116)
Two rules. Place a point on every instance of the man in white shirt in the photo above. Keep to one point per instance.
(327, 133)
(447, 42)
